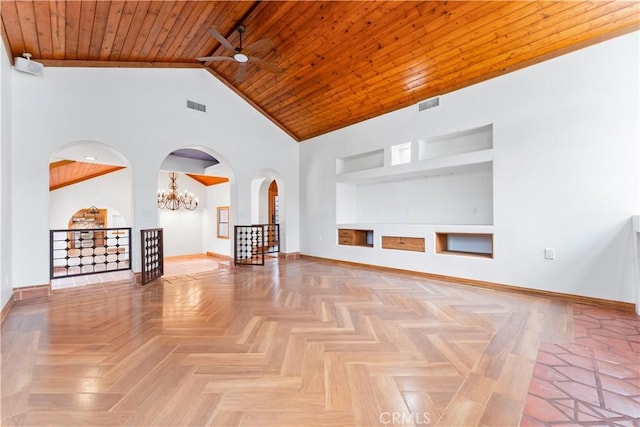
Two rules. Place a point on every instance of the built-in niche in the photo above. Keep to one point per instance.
(449, 181)
(352, 237)
(401, 154)
(465, 141)
(363, 161)
(470, 244)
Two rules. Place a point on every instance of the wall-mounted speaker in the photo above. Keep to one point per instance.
(26, 65)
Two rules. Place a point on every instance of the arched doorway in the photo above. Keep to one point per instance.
(90, 194)
(192, 232)
(267, 196)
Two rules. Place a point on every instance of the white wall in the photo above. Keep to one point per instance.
(565, 175)
(217, 195)
(465, 198)
(183, 229)
(111, 191)
(142, 114)
(6, 285)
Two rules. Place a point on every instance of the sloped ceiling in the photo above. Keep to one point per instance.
(68, 172)
(342, 61)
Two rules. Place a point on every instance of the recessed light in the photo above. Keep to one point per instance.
(90, 158)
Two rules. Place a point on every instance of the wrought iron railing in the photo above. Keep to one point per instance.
(253, 241)
(272, 237)
(77, 252)
(151, 252)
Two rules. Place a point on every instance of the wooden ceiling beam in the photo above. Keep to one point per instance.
(117, 64)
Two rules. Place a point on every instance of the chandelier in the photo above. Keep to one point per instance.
(174, 200)
(92, 210)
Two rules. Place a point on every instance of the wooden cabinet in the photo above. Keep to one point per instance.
(403, 243)
(352, 237)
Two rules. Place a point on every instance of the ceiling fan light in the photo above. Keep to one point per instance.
(241, 57)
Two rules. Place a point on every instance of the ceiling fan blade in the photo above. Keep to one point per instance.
(272, 68)
(241, 73)
(259, 47)
(215, 58)
(224, 42)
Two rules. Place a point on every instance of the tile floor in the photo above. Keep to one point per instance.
(180, 266)
(594, 380)
(91, 279)
(173, 266)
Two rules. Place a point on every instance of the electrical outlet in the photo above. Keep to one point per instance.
(549, 253)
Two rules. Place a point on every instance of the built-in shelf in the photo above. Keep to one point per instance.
(437, 179)
(450, 144)
(469, 244)
(401, 154)
(355, 237)
(460, 197)
(459, 163)
(416, 244)
(359, 162)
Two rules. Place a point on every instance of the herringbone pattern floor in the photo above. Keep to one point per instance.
(292, 343)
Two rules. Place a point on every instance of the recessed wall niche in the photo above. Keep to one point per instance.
(465, 141)
(475, 244)
(401, 154)
(450, 182)
(364, 161)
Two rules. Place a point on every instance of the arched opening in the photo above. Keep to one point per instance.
(267, 208)
(194, 210)
(267, 194)
(90, 194)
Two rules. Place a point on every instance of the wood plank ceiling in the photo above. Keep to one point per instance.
(342, 61)
(68, 172)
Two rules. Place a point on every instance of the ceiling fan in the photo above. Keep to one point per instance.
(243, 55)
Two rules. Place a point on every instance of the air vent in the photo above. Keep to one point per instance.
(430, 103)
(196, 106)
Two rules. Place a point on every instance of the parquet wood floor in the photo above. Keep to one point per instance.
(294, 343)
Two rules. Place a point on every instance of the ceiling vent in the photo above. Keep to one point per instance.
(430, 103)
(196, 106)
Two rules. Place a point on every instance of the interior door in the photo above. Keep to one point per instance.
(273, 212)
